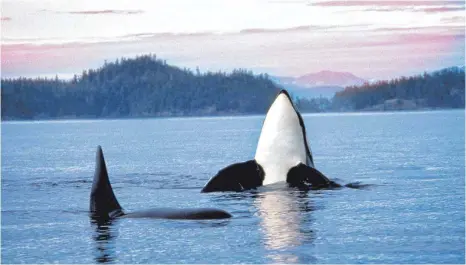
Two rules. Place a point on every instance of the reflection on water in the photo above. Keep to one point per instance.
(283, 213)
(104, 241)
(284, 258)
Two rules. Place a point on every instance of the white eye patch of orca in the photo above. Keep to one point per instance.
(282, 142)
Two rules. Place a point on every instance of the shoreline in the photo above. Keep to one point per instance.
(227, 115)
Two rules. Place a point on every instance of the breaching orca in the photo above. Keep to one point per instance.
(282, 155)
(105, 206)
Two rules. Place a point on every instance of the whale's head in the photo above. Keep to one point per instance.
(282, 143)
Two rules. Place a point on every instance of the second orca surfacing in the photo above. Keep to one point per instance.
(282, 155)
(104, 205)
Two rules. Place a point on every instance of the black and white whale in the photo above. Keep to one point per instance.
(105, 206)
(282, 155)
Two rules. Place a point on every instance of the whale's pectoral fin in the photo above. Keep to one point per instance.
(306, 177)
(103, 203)
(236, 177)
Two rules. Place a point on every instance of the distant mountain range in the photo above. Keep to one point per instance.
(321, 84)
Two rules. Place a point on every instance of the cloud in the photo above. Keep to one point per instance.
(392, 6)
(30, 59)
(5, 18)
(388, 9)
(248, 31)
(421, 39)
(386, 3)
(374, 56)
(303, 28)
(413, 9)
(287, 1)
(457, 19)
(264, 30)
(442, 9)
(105, 12)
(438, 29)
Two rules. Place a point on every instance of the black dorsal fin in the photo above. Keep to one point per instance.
(103, 203)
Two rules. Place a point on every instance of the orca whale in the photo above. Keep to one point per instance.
(104, 205)
(282, 155)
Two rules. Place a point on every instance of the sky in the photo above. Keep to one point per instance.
(373, 39)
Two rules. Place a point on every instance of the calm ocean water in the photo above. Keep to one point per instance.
(413, 213)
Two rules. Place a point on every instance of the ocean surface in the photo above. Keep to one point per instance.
(413, 212)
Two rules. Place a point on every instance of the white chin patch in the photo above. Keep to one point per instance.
(281, 143)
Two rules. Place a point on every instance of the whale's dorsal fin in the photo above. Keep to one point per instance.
(103, 203)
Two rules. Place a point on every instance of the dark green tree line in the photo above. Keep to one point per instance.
(144, 86)
(148, 87)
(440, 89)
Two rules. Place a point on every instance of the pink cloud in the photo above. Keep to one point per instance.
(456, 19)
(105, 12)
(442, 9)
(387, 3)
(376, 55)
(431, 38)
(304, 28)
(263, 30)
(31, 59)
(146, 35)
(409, 39)
(438, 29)
(389, 9)
(412, 9)
(299, 28)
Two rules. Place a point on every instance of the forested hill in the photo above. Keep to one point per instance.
(441, 89)
(140, 87)
(147, 87)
